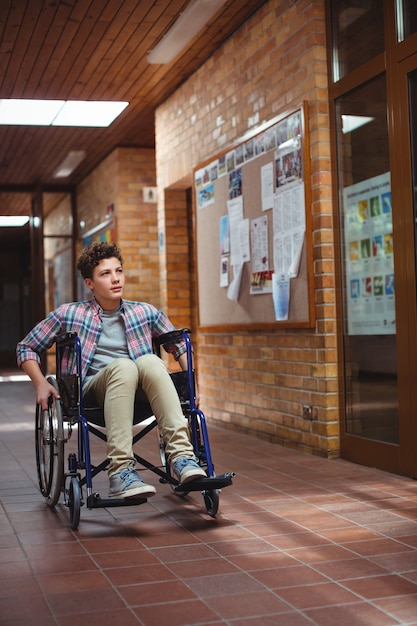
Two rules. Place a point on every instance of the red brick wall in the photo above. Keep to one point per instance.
(258, 381)
(178, 301)
(96, 192)
(119, 180)
(137, 225)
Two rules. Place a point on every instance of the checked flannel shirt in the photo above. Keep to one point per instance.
(142, 321)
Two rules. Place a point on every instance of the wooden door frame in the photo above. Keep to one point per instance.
(399, 59)
(402, 196)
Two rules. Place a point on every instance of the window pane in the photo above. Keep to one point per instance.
(367, 264)
(407, 18)
(358, 34)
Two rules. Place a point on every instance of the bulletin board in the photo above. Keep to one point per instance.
(253, 232)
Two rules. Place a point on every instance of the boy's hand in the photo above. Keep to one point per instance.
(43, 392)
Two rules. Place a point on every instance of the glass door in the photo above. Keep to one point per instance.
(367, 270)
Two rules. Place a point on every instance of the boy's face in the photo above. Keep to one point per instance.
(107, 283)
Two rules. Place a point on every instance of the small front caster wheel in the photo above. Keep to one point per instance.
(74, 502)
(211, 500)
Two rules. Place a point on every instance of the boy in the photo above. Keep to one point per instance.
(117, 363)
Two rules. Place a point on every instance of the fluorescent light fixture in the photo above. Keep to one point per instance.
(7, 221)
(29, 112)
(188, 24)
(352, 122)
(95, 113)
(88, 113)
(70, 163)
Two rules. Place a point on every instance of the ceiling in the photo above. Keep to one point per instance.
(90, 50)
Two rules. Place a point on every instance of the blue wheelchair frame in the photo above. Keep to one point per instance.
(70, 410)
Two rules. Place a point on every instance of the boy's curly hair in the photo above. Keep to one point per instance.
(91, 256)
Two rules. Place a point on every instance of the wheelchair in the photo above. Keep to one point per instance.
(55, 426)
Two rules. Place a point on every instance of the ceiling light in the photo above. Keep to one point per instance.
(188, 24)
(88, 113)
(28, 112)
(352, 122)
(13, 220)
(68, 165)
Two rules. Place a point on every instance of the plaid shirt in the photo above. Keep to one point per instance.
(142, 322)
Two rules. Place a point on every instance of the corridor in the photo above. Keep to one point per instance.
(298, 540)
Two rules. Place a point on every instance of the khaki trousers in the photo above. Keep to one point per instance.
(114, 389)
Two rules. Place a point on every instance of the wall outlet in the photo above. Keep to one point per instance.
(307, 412)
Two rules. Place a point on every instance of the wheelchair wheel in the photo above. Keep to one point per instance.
(211, 501)
(74, 502)
(50, 448)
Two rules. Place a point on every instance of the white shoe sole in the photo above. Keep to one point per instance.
(145, 491)
(192, 475)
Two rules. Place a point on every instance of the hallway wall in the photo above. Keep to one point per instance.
(258, 381)
(119, 181)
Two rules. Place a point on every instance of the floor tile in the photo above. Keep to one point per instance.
(70, 582)
(185, 613)
(360, 613)
(156, 593)
(321, 594)
(122, 576)
(377, 587)
(99, 618)
(33, 605)
(256, 604)
(403, 607)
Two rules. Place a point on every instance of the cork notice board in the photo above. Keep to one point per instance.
(253, 232)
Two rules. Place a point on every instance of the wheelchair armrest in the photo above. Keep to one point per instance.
(171, 337)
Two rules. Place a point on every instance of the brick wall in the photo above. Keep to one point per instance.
(177, 258)
(257, 382)
(96, 192)
(119, 181)
(137, 225)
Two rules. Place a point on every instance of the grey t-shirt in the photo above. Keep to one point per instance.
(112, 343)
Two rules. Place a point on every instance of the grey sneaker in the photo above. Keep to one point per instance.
(128, 483)
(185, 469)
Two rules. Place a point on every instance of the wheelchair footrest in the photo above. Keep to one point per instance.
(206, 484)
(95, 501)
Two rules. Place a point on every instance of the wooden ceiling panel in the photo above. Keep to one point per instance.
(93, 50)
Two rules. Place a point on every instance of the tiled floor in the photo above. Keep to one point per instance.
(298, 540)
